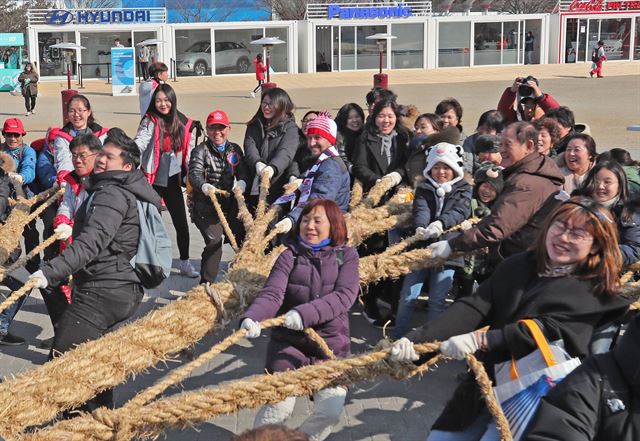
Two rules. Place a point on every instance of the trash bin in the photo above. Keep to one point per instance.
(66, 97)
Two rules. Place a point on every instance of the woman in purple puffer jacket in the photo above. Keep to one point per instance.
(314, 282)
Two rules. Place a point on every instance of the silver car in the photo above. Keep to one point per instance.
(230, 56)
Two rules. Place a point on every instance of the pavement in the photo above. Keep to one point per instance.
(377, 410)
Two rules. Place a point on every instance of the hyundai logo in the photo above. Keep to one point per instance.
(59, 17)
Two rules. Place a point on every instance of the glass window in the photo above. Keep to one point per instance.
(234, 51)
(279, 52)
(407, 51)
(453, 44)
(594, 32)
(571, 40)
(347, 48)
(336, 47)
(368, 53)
(144, 54)
(532, 50)
(488, 43)
(323, 49)
(96, 58)
(193, 52)
(637, 48)
(53, 62)
(616, 33)
(511, 32)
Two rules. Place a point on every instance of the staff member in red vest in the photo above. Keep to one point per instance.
(165, 143)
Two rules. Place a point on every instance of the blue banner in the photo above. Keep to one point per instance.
(11, 39)
(9, 78)
(123, 66)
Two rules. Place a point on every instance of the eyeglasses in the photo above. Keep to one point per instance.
(77, 111)
(558, 228)
(11, 135)
(305, 121)
(82, 156)
(267, 104)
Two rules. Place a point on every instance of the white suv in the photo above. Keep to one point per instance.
(196, 59)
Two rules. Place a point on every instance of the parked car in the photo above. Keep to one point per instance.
(196, 59)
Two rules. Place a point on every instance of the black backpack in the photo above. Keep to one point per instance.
(594, 55)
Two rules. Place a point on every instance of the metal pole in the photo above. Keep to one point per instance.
(268, 65)
(69, 76)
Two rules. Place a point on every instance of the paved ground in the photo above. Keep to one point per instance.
(384, 410)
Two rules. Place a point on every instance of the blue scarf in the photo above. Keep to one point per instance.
(312, 246)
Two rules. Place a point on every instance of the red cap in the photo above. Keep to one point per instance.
(218, 117)
(13, 125)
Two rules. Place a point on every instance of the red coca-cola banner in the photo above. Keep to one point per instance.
(601, 6)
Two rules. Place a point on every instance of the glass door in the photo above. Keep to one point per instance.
(324, 48)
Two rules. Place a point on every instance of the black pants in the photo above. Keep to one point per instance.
(144, 68)
(56, 303)
(93, 311)
(174, 200)
(260, 82)
(212, 231)
(29, 100)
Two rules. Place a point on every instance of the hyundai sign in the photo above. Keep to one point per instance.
(346, 12)
(97, 16)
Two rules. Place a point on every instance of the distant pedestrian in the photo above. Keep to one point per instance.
(29, 81)
(598, 57)
(260, 70)
(528, 48)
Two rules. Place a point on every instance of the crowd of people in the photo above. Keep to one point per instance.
(544, 223)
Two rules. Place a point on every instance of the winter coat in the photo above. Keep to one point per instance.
(301, 160)
(369, 164)
(105, 237)
(45, 170)
(456, 207)
(346, 143)
(512, 226)
(507, 100)
(633, 178)
(25, 161)
(628, 235)
(332, 182)
(32, 85)
(596, 402)
(322, 286)
(417, 157)
(275, 147)
(74, 196)
(208, 165)
(61, 152)
(260, 69)
(514, 292)
(145, 92)
(6, 166)
(150, 140)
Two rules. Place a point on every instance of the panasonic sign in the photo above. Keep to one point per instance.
(345, 13)
(96, 16)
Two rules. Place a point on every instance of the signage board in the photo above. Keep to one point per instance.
(123, 68)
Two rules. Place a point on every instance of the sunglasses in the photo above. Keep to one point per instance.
(11, 135)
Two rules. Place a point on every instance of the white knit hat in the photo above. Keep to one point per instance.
(448, 154)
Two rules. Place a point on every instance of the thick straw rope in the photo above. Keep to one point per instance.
(193, 407)
(243, 212)
(265, 183)
(356, 195)
(223, 219)
(24, 259)
(15, 295)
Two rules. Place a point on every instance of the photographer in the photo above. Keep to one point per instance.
(524, 101)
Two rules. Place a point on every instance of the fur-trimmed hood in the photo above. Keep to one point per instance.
(7, 164)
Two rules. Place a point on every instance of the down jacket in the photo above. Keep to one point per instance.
(596, 402)
(105, 237)
(322, 286)
(275, 147)
(507, 100)
(61, 152)
(512, 225)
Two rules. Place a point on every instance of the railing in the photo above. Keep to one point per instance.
(81, 76)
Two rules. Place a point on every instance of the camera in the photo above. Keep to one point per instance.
(524, 89)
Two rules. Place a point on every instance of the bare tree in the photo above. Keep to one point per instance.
(91, 4)
(525, 6)
(13, 14)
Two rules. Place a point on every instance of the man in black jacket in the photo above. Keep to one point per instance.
(596, 402)
(219, 164)
(106, 288)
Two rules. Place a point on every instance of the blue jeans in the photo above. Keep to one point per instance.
(482, 429)
(6, 317)
(440, 281)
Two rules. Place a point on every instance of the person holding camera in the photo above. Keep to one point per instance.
(524, 101)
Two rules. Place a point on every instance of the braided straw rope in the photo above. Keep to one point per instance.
(265, 183)
(15, 295)
(378, 191)
(24, 259)
(243, 212)
(356, 195)
(222, 217)
(192, 407)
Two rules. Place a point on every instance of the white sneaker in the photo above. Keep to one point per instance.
(27, 114)
(186, 269)
(253, 94)
(33, 112)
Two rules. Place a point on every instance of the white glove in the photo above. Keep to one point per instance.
(293, 320)
(63, 231)
(395, 178)
(269, 171)
(562, 196)
(422, 232)
(285, 225)
(259, 167)
(294, 180)
(402, 350)
(466, 225)
(206, 188)
(434, 230)
(252, 327)
(460, 346)
(440, 249)
(40, 279)
(240, 185)
(16, 178)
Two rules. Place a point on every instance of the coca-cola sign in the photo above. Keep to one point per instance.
(601, 6)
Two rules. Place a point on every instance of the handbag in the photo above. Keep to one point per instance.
(531, 378)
